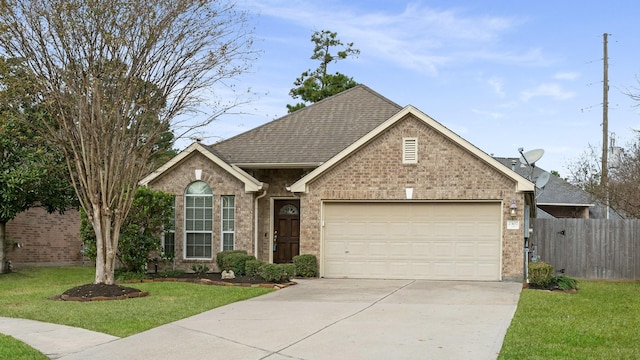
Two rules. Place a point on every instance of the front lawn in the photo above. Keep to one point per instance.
(11, 348)
(600, 321)
(24, 294)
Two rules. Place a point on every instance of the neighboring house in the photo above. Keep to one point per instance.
(39, 238)
(558, 198)
(374, 190)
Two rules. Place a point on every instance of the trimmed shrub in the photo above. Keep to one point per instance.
(306, 265)
(276, 272)
(233, 260)
(223, 254)
(199, 268)
(565, 282)
(289, 271)
(170, 273)
(252, 267)
(540, 274)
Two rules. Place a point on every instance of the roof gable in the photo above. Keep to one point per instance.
(250, 183)
(312, 135)
(522, 184)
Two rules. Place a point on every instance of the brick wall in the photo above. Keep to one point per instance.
(221, 183)
(444, 172)
(46, 239)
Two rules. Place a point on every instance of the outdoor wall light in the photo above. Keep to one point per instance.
(408, 192)
(512, 208)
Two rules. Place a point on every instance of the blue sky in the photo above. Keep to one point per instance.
(501, 74)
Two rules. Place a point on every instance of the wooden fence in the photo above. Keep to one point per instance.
(589, 248)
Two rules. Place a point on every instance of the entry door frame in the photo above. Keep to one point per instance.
(272, 215)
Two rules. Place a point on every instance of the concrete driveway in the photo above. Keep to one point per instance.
(337, 319)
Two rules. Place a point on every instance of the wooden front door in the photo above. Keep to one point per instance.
(286, 230)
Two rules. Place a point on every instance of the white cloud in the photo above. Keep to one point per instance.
(497, 85)
(566, 75)
(417, 37)
(490, 114)
(547, 90)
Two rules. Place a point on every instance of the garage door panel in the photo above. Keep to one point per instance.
(487, 230)
(420, 249)
(442, 229)
(398, 248)
(443, 241)
(487, 250)
(377, 248)
(443, 270)
(442, 249)
(465, 250)
(466, 270)
(401, 229)
(486, 270)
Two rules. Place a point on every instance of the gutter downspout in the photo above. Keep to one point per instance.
(255, 219)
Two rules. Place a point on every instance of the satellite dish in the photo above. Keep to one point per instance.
(531, 156)
(542, 180)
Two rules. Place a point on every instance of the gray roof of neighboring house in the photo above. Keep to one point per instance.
(556, 191)
(311, 135)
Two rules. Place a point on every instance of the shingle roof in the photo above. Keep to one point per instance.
(556, 191)
(313, 134)
(559, 192)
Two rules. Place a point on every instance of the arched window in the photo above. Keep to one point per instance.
(198, 221)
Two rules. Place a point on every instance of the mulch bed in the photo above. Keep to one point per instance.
(101, 292)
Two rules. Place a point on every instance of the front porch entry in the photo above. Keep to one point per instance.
(286, 230)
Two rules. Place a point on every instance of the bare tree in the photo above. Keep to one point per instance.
(114, 74)
(622, 190)
(624, 179)
(586, 172)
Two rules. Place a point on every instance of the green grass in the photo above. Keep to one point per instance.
(600, 321)
(24, 294)
(11, 348)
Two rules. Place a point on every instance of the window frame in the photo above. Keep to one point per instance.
(191, 229)
(224, 232)
(171, 230)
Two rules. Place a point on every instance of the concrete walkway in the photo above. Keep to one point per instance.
(51, 339)
(316, 319)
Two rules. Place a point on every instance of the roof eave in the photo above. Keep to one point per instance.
(564, 204)
(304, 165)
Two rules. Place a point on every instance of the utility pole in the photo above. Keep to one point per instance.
(605, 125)
(605, 115)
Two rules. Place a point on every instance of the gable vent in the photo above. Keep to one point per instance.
(409, 150)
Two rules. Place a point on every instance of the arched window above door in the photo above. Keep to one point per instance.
(288, 210)
(199, 187)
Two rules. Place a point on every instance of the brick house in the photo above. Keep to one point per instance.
(373, 189)
(45, 239)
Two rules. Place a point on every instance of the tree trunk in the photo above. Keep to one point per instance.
(107, 229)
(3, 239)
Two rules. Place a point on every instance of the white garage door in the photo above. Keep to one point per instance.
(438, 241)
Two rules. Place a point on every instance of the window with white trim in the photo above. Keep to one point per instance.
(198, 221)
(228, 222)
(169, 234)
(410, 150)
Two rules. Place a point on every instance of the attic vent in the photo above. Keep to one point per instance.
(409, 150)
